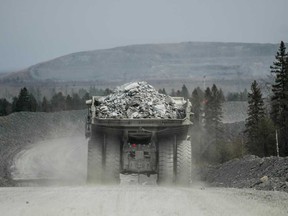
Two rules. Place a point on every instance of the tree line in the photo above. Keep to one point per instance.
(26, 101)
(30, 99)
(267, 124)
(184, 92)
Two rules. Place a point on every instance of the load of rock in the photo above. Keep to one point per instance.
(138, 100)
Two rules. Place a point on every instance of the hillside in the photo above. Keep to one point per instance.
(181, 61)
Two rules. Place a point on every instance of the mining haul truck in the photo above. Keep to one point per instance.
(142, 146)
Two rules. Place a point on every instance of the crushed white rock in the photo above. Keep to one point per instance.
(137, 100)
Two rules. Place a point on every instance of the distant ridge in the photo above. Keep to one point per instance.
(181, 61)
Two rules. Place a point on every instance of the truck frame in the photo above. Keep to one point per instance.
(143, 146)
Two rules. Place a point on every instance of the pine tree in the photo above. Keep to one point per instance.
(208, 109)
(213, 109)
(214, 125)
(25, 101)
(185, 92)
(279, 99)
(196, 106)
(58, 102)
(5, 107)
(216, 107)
(33, 103)
(197, 131)
(279, 69)
(69, 103)
(162, 91)
(76, 102)
(256, 114)
(221, 95)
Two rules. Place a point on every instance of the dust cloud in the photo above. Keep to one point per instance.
(63, 159)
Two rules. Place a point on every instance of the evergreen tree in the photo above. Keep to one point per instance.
(214, 126)
(196, 106)
(82, 92)
(34, 103)
(265, 142)
(221, 96)
(279, 99)
(217, 112)
(162, 91)
(84, 98)
(25, 102)
(14, 102)
(279, 69)
(208, 108)
(178, 93)
(76, 102)
(58, 102)
(5, 107)
(256, 114)
(69, 103)
(197, 131)
(213, 108)
(184, 92)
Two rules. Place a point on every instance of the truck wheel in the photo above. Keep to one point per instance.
(94, 162)
(112, 161)
(165, 162)
(184, 163)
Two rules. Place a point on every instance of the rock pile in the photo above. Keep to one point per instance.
(137, 100)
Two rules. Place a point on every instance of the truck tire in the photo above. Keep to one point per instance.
(94, 160)
(112, 160)
(165, 162)
(184, 163)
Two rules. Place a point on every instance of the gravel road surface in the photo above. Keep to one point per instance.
(140, 200)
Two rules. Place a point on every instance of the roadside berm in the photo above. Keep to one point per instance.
(270, 173)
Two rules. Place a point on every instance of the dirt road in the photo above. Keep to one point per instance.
(65, 159)
(140, 200)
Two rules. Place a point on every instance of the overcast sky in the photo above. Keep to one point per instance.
(32, 31)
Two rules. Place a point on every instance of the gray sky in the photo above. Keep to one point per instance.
(32, 31)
